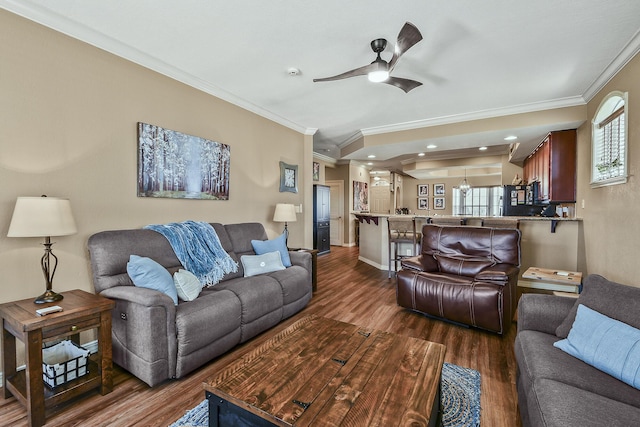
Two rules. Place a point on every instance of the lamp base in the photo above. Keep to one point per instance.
(48, 296)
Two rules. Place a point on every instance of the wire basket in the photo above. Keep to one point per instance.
(64, 362)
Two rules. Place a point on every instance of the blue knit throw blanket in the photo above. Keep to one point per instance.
(198, 248)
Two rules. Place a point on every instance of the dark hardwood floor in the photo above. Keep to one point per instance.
(349, 291)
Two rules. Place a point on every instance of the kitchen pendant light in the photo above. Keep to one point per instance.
(464, 185)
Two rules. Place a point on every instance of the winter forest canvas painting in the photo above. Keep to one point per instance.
(175, 165)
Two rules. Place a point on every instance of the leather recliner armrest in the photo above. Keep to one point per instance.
(499, 274)
(420, 263)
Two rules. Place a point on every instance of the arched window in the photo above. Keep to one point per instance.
(609, 141)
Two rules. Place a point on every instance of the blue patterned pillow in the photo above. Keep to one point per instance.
(606, 344)
(146, 273)
(279, 244)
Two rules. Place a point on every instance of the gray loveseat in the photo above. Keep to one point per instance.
(155, 339)
(556, 389)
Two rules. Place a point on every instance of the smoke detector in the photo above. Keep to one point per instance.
(292, 71)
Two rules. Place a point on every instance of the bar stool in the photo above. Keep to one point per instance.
(446, 221)
(420, 221)
(501, 222)
(401, 230)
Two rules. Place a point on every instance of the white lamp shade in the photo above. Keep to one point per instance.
(285, 212)
(42, 217)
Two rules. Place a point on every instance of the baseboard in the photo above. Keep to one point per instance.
(92, 346)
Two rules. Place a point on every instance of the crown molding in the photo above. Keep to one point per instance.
(318, 156)
(477, 115)
(90, 36)
(353, 138)
(626, 54)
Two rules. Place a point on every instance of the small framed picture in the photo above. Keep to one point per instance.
(288, 178)
(438, 189)
(423, 190)
(438, 203)
(423, 203)
(316, 171)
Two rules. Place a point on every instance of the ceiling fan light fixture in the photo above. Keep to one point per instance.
(378, 76)
(381, 71)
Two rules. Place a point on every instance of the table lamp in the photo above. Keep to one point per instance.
(43, 217)
(285, 212)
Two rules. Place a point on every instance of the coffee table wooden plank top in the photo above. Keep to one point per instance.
(324, 372)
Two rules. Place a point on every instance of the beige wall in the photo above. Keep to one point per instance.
(68, 115)
(610, 214)
(411, 192)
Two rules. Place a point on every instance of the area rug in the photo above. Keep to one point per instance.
(460, 399)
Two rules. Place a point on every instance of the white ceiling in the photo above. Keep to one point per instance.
(478, 59)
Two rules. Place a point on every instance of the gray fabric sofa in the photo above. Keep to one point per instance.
(556, 389)
(155, 339)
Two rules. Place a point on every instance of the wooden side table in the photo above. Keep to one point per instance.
(81, 311)
(314, 266)
(552, 280)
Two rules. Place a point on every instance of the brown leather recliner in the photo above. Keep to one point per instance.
(463, 274)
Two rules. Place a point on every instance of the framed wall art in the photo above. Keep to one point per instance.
(423, 203)
(438, 189)
(360, 196)
(423, 190)
(175, 165)
(438, 203)
(316, 171)
(288, 178)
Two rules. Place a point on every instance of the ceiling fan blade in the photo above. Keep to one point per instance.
(352, 73)
(405, 84)
(409, 35)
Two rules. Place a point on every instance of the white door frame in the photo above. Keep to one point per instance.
(336, 197)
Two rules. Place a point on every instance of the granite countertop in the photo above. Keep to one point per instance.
(521, 218)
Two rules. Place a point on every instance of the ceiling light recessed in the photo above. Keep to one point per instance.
(369, 164)
(376, 178)
(371, 156)
(420, 154)
(511, 138)
(432, 146)
(482, 148)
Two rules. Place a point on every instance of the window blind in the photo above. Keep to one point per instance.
(609, 147)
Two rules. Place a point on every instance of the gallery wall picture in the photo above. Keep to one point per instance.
(423, 203)
(438, 189)
(288, 178)
(316, 171)
(172, 164)
(360, 196)
(423, 190)
(438, 203)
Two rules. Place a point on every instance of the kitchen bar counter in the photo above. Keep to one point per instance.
(544, 243)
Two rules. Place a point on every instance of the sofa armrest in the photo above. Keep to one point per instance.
(420, 263)
(143, 328)
(544, 313)
(301, 258)
(499, 274)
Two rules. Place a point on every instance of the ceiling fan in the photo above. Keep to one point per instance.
(379, 70)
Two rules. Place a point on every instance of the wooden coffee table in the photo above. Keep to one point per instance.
(322, 372)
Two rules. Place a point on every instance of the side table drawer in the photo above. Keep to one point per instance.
(78, 325)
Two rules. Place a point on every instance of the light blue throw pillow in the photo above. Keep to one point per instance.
(261, 264)
(187, 285)
(606, 344)
(278, 244)
(146, 273)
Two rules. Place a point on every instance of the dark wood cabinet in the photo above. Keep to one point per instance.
(553, 165)
(321, 219)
